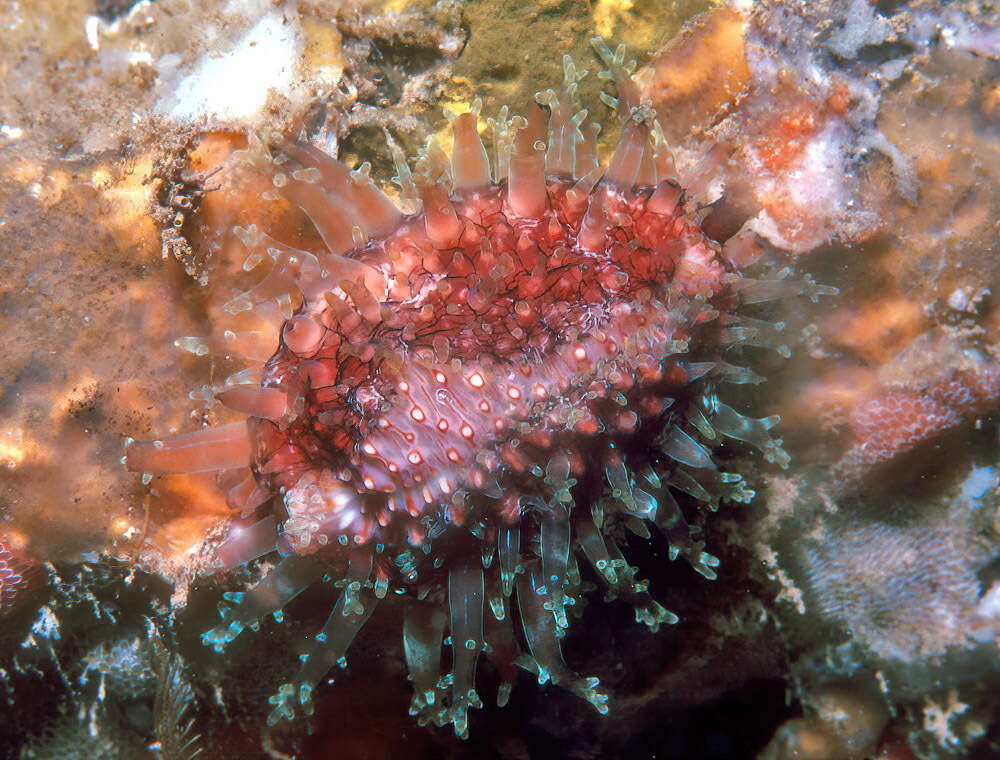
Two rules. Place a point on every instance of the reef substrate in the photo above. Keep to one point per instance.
(866, 130)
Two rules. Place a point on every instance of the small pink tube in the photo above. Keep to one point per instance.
(246, 495)
(362, 202)
(470, 167)
(629, 158)
(301, 334)
(269, 403)
(440, 220)
(526, 192)
(247, 542)
(225, 447)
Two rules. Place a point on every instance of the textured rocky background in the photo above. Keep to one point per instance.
(861, 142)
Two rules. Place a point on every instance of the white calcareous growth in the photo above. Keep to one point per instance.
(233, 85)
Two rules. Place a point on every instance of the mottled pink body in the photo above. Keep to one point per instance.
(485, 355)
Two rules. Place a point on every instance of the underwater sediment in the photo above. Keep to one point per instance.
(816, 162)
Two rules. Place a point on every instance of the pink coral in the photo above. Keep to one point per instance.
(892, 421)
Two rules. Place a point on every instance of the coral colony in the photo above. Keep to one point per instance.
(463, 401)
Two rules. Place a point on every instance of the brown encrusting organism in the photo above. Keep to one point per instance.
(179, 190)
(453, 404)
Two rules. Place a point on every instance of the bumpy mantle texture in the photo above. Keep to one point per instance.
(464, 399)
